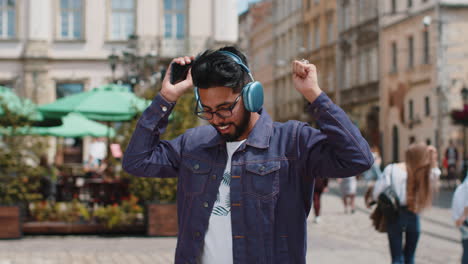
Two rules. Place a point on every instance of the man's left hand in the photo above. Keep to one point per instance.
(305, 79)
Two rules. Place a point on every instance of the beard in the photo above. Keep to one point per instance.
(238, 129)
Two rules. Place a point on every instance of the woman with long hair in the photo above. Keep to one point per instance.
(414, 182)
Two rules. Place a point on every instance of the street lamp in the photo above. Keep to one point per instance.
(113, 59)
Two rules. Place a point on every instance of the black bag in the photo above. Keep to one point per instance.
(388, 201)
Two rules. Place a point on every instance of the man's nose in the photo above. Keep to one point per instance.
(217, 119)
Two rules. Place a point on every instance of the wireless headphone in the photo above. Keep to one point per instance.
(252, 92)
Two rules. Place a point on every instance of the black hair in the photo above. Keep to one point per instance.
(212, 68)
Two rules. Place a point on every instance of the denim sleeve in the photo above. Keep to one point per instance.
(337, 149)
(148, 156)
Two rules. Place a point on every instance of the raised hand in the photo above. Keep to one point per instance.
(305, 79)
(173, 92)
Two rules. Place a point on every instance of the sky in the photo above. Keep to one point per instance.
(242, 5)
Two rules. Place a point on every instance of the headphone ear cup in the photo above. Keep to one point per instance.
(253, 96)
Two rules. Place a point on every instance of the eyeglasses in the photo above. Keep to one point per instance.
(224, 112)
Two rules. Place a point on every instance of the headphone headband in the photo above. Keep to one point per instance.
(237, 59)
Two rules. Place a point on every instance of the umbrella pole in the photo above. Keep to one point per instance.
(108, 140)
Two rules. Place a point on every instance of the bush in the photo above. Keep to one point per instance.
(112, 216)
(70, 212)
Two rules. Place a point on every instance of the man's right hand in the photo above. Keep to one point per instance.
(172, 92)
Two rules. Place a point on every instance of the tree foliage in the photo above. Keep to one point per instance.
(19, 158)
(161, 189)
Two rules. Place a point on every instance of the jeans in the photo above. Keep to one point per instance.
(465, 251)
(407, 223)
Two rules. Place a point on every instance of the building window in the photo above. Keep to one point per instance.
(374, 65)
(411, 110)
(412, 139)
(347, 73)
(426, 47)
(309, 37)
(66, 89)
(174, 19)
(410, 3)
(7, 18)
(361, 10)
(410, 52)
(330, 37)
(428, 141)
(346, 17)
(316, 34)
(362, 67)
(122, 19)
(71, 19)
(394, 6)
(394, 57)
(427, 106)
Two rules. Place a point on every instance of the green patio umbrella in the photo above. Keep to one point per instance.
(76, 125)
(73, 125)
(109, 102)
(19, 106)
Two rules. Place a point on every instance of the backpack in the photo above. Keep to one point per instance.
(388, 201)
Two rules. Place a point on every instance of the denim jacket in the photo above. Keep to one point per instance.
(272, 180)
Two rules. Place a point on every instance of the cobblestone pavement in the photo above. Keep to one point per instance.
(338, 238)
(341, 238)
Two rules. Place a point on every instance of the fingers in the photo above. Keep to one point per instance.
(183, 60)
(302, 68)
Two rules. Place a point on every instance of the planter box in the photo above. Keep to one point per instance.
(34, 228)
(161, 219)
(10, 222)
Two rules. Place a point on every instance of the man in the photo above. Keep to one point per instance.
(451, 155)
(245, 182)
(460, 215)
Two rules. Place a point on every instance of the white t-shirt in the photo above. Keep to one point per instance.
(399, 178)
(98, 150)
(218, 239)
(460, 200)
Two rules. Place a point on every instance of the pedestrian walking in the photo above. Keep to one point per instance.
(245, 183)
(451, 159)
(321, 186)
(413, 182)
(348, 187)
(460, 215)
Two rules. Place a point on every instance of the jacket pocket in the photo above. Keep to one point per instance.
(262, 179)
(194, 175)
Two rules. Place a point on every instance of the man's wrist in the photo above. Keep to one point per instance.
(168, 96)
(312, 95)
